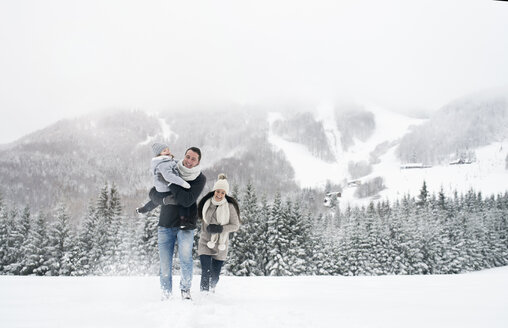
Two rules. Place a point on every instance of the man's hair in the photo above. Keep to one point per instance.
(196, 150)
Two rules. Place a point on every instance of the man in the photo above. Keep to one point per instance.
(177, 207)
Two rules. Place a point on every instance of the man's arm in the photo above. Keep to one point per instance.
(188, 197)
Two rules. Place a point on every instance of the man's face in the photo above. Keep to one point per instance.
(191, 159)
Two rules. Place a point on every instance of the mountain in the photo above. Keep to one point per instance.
(357, 150)
(70, 161)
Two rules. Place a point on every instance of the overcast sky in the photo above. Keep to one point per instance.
(65, 58)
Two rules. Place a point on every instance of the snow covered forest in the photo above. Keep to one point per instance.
(429, 234)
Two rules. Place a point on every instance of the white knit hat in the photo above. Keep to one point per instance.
(157, 148)
(221, 183)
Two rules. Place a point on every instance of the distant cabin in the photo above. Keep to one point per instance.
(460, 161)
(331, 198)
(354, 183)
(414, 166)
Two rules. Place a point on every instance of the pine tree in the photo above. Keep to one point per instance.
(61, 241)
(422, 198)
(4, 233)
(242, 259)
(38, 249)
(301, 242)
(147, 243)
(278, 240)
(261, 237)
(25, 231)
(89, 254)
(12, 244)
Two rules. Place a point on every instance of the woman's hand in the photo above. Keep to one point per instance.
(214, 228)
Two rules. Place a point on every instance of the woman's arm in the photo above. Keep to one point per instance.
(234, 221)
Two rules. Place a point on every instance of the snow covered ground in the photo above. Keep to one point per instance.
(477, 299)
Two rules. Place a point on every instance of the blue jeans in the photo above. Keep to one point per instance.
(210, 272)
(167, 237)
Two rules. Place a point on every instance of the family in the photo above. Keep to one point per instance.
(177, 186)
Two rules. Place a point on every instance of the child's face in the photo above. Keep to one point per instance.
(166, 152)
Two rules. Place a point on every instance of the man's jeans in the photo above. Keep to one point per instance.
(167, 237)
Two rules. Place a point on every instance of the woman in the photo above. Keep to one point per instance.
(220, 215)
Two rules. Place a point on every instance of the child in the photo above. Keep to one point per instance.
(164, 171)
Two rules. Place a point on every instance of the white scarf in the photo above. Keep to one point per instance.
(222, 210)
(222, 216)
(188, 174)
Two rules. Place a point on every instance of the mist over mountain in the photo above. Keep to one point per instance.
(71, 160)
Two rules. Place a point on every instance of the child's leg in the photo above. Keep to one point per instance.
(147, 207)
(157, 197)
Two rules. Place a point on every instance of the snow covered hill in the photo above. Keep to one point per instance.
(476, 299)
(389, 177)
(357, 149)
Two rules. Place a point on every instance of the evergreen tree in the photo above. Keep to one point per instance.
(147, 243)
(278, 240)
(4, 233)
(242, 258)
(422, 198)
(19, 227)
(38, 250)
(11, 244)
(25, 229)
(61, 241)
(89, 251)
(261, 237)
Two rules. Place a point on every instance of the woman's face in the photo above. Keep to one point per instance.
(219, 194)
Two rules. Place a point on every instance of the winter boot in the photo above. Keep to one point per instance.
(186, 295)
(166, 295)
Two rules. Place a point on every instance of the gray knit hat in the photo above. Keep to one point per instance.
(157, 148)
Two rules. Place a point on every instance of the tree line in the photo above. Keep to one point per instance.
(427, 234)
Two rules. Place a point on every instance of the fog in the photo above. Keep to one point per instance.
(64, 58)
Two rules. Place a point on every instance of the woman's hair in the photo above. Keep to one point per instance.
(206, 197)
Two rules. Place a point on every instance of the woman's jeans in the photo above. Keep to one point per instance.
(210, 272)
(167, 237)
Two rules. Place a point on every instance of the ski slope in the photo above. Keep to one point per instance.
(477, 299)
(487, 174)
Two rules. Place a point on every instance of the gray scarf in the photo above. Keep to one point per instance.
(188, 174)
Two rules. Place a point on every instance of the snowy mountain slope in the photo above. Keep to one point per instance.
(476, 299)
(487, 174)
(312, 172)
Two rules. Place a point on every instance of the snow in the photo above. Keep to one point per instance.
(488, 174)
(166, 130)
(476, 299)
(165, 134)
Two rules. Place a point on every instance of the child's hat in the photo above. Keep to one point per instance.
(157, 148)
